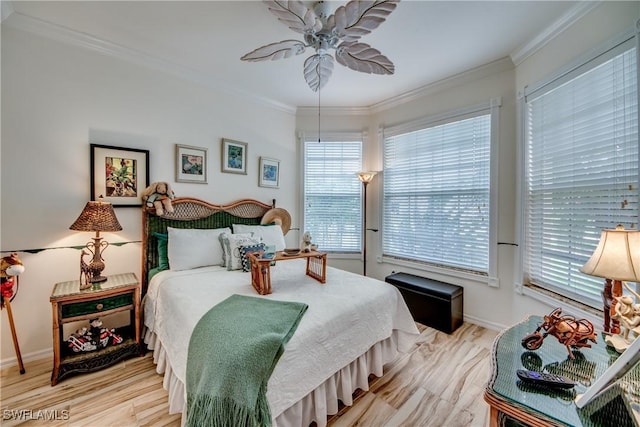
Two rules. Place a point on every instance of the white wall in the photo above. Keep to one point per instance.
(493, 307)
(56, 100)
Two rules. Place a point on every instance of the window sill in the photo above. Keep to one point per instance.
(343, 255)
(596, 317)
(444, 273)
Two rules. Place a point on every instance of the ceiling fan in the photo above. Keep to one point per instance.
(340, 31)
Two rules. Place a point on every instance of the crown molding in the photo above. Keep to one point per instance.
(491, 68)
(334, 111)
(476, 73)
(86, 41)
(569, 18)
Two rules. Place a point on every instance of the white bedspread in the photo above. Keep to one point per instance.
(346, 316)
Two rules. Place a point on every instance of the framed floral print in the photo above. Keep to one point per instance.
(269, 173)
(234, 156)
(191, 164)
(119, 175)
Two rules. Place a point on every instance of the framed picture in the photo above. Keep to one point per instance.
(191, 164)
(269, 173)
(119, 175)
(234, 156)
(620, 367)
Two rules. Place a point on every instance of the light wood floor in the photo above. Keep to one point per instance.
(439, 383)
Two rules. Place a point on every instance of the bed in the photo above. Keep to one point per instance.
(354, 325)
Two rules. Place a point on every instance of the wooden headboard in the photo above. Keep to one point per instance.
(194, 213)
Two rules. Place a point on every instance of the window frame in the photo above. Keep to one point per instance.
(584, 63)
(491, 107)
(304, 137)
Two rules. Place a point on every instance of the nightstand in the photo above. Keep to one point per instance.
(120, 292)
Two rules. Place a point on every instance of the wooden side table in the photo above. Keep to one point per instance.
(513, 402)
(121, 292)
(261, 271)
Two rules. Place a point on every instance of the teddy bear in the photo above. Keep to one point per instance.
(305, 245)
(159, 195)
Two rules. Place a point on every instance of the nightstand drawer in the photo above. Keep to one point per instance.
(96, 306)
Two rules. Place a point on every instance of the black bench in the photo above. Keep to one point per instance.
(431, 302)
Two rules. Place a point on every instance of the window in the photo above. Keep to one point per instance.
(436, 201)
(581, 170)
(332, 192)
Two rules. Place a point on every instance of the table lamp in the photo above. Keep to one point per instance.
(616, 259)
(96, 216)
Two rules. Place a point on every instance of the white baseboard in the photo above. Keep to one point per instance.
(36, 355)
(484, 323)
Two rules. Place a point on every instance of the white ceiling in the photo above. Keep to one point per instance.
(427, 41)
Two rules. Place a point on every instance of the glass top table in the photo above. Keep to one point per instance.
(510, 399)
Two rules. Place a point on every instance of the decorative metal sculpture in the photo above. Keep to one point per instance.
(569, 332)
(85, 272)
(340, 31)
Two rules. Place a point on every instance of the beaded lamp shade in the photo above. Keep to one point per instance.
(97, 216)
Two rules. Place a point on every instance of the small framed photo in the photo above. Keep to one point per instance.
(191, 164)
(119, 175)
(234, 156)
(269, 173)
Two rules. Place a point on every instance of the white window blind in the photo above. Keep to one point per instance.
(581, 171)
(436, 193)
(333, 194)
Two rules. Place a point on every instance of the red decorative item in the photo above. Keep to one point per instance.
(569, 331)
(6, 287)
(10, 268)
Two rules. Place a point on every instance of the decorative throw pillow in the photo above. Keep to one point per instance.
(231, 244)
(270, 234)
(244, 250)
(163, 255)
(191, 248)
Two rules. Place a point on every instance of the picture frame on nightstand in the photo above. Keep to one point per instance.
(623, 364)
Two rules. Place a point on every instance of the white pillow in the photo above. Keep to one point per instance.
(231, 244)
(270, 235)
(191, 248)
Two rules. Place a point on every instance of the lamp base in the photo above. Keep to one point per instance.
(617, 342)
(98, 279)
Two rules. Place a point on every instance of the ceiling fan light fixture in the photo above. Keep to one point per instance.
(323, 32)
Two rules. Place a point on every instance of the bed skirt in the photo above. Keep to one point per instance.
(316, 405)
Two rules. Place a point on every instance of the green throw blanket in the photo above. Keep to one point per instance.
(232, 353)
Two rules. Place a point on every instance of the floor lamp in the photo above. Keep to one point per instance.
(365, 178)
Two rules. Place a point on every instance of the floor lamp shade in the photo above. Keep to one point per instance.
(366, 177)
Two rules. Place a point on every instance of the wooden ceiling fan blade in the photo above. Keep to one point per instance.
(295, 15)
(362, 57)
(318, 70)
(273, 51)
(358, 18)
